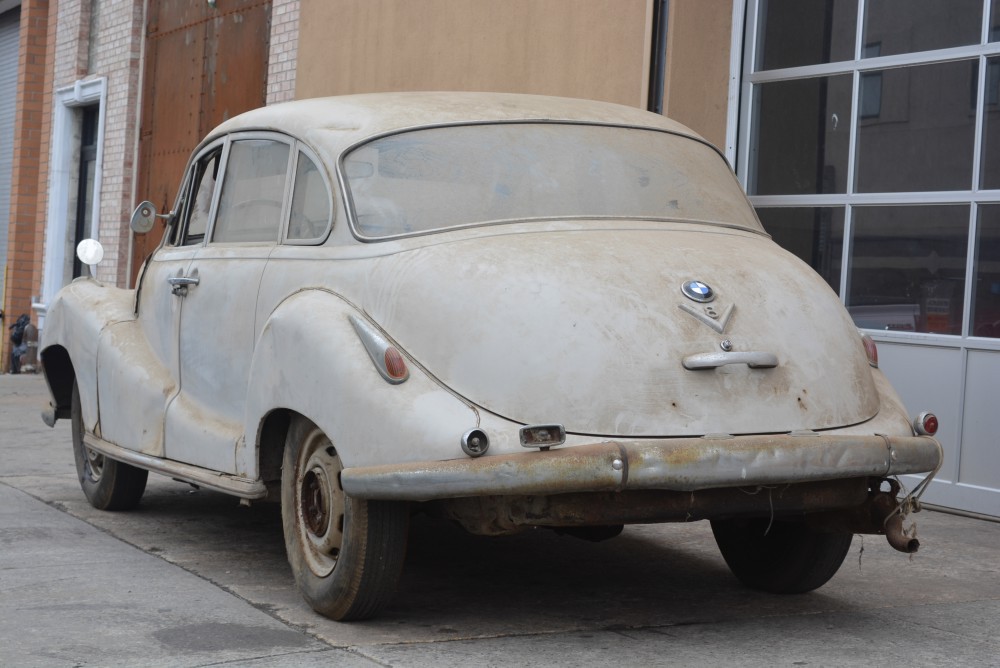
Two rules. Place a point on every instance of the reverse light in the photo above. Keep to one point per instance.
(925, 424)
(387, 359)
(871, 350)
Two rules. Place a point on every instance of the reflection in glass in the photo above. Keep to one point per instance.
(815, 235)
(922, 138)
(801, 136)
(805, 32)
(905, 26)
(907, 269)
(995, 21)
(986, 289)
(990, 179)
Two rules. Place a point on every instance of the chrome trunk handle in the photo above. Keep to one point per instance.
(754, 360)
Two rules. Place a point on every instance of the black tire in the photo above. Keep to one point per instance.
(781, 557)
(346, 554)
(107, 483)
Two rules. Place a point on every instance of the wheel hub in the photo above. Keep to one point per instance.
(320, 503)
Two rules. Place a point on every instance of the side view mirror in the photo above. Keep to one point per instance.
(144, 217)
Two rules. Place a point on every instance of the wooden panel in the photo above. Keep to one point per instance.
(203, 66)
(597, 49)
(696, 89)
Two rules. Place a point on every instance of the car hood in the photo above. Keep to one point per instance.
(590, 329)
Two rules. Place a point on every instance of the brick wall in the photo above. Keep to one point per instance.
(284, 51)
(114, 54)
(29, 170)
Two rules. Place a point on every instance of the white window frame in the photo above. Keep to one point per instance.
(62, 169)
(744, 46)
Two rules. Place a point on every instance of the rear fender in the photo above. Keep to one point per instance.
(309, 360)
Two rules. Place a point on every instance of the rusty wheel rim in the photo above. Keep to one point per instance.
(320, 503)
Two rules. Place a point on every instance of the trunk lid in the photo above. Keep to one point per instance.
(589, 328)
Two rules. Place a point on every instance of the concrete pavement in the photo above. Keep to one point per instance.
(193, 579)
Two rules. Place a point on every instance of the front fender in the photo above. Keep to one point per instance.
(309, 359)
(74, 320)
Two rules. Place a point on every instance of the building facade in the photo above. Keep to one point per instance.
(866, 132)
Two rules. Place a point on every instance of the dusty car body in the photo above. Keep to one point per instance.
(517, 311)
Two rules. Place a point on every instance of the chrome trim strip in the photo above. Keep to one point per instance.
(683, 464)
(219, 482)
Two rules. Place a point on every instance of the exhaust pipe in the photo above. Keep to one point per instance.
(897, 537)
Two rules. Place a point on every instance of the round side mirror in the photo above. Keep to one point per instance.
(143, 217)
(90, 252)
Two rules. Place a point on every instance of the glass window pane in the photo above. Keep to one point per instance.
(801, 136)
(907, 269)
(905, 26)
(815, 235)
(990, 179)
(252, 192)
(995, 21)
(805, 32)
(920, 135)
(310, 202)
(203, 187)
(986, 289)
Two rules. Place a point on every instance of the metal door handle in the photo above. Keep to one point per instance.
(181, 283)
(754, 360)
(183, 280)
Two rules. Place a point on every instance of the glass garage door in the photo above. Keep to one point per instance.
(870, 146)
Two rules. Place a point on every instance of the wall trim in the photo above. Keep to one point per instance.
(61, 170)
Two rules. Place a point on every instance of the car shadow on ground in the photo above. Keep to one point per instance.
(669, 573)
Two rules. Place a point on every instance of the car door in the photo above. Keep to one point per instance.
(138, 376)
(217, 324)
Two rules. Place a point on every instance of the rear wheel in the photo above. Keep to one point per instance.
(107, 483)
(346, 554)
(781, 557)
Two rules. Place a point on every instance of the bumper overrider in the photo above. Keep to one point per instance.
(839, 483)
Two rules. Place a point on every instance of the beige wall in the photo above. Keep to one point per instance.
(697, 80)
(597, 49)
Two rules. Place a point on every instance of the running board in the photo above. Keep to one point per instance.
(220, 482)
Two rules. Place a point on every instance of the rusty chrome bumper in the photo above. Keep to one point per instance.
(682, 464)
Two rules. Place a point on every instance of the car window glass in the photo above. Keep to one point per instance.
(252, 192)
(436, 178)
(200, 204)
(310, 202)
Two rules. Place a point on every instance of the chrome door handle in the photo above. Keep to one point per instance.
(180, 284)
(754, 360)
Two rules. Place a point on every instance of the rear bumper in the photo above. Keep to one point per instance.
(682, 464)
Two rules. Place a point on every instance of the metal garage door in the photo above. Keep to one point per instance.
(9, 24)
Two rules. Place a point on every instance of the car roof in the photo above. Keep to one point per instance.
(332, 124)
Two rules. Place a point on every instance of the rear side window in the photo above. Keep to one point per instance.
(253, 191)
(310, 216)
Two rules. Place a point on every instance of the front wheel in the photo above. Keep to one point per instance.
(107, 483)
(781, 557)
(346, 554)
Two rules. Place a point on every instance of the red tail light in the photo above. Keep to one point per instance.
(925, 424)
(395, 365)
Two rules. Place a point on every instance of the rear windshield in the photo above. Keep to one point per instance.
(445, 177)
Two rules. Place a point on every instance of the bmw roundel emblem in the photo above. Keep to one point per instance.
(697, 291)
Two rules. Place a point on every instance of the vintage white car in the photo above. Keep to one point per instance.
(517, 311)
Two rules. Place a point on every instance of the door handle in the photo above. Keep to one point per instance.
(180, 284)
(754, 360)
